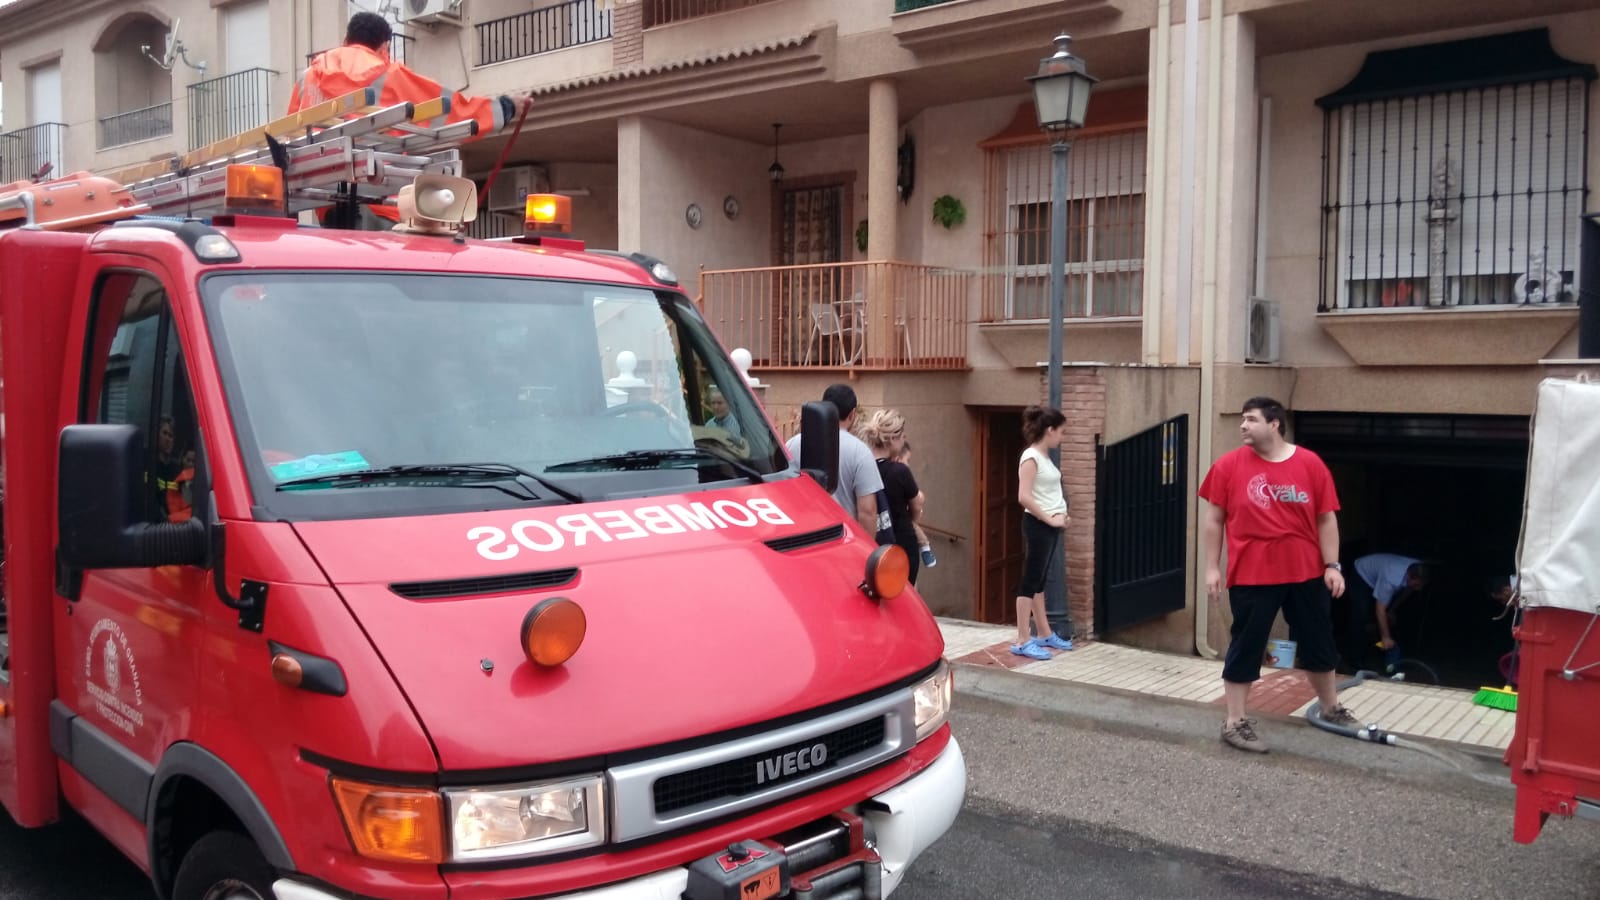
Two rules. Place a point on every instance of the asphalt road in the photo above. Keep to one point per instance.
(1077, 792)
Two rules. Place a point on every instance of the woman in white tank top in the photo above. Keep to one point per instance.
(1043, 520)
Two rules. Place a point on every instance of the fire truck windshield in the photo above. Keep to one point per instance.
(597, 390)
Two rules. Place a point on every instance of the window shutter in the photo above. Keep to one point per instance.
(1465, 184)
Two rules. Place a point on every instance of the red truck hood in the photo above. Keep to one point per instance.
(694, 625)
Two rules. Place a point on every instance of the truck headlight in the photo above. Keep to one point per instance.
(932, 698)
(526, 820)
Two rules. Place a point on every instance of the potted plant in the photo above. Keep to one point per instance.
(948, 211)
(861, 235)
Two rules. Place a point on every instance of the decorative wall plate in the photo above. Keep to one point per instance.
(730, 207)
(693, 215)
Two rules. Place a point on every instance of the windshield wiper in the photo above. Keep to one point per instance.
(442, 470)
(645, 459)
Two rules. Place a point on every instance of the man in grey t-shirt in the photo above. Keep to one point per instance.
(859, 482)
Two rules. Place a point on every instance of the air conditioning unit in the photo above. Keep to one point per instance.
(431, 12)
(511, 187)
(1262, 340)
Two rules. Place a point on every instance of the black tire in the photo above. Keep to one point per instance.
(224, 865)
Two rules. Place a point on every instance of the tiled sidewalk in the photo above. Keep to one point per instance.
(1412, 710)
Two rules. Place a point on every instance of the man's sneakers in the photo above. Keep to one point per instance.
(928, 559)
(1032, 649)
(1341, 717)
(1243, 737)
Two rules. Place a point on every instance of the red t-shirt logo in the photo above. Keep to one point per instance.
(1261, 493)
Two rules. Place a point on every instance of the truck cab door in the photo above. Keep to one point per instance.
(129, 639)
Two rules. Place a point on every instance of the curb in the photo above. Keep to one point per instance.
(1186, 721)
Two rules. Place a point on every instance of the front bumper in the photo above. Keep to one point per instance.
(906, 819)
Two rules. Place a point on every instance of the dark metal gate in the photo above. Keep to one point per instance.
(1142, 514)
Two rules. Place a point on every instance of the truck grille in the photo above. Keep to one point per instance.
(700, 784)
(742, 777)
(497, 584)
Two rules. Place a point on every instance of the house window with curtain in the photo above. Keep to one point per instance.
(1455, 175)
(1105, 228)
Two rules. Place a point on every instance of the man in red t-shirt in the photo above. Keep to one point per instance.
(1277, 504)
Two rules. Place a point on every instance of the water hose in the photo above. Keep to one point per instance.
(1377, 735)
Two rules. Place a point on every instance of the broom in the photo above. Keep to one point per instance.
(1497, 698)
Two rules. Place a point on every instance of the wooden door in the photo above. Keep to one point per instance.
(1000, 549)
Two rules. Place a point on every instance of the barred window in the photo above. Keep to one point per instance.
(1466, 196)
(1105, 229)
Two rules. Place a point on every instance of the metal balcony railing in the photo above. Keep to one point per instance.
(136, 125)
(32, 152)
(399, 49)
(223, 107)
(542, 30)
(860, 315)
(661, 12)
(908, 5)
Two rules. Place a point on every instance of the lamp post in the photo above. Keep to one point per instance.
(1061, 97)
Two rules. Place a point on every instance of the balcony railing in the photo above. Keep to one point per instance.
(863, 315)
(661, 12)
(542, 30)
(223, 107)
(136, 125)
(908, 5)
(26, 152)
(399, 49)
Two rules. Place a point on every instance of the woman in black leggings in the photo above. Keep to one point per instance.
(1044, 519)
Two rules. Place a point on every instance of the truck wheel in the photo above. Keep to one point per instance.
(224, 865)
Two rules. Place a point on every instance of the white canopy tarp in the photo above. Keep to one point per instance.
(1558, 559)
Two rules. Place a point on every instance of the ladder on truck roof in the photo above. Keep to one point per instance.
(344, 148)
(343, 144)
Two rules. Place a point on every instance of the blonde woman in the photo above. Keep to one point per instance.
(1043, 521)
(884, 433)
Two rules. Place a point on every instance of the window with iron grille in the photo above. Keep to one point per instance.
(1467, 196)
(1105, 229)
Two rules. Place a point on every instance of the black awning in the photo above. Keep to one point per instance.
(1516, 58)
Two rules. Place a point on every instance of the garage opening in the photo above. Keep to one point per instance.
(1445, 490)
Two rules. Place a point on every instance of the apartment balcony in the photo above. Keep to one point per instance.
(557, 27)
(930, 24)
(135, 125)
(663, 12)
(222, 107)
(32, 152)
(878, 315)
(399, 49)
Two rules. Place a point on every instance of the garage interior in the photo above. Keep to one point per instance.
(1446, 490)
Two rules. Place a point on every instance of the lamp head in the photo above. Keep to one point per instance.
(1061, 88)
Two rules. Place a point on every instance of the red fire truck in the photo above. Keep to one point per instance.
(345, 564)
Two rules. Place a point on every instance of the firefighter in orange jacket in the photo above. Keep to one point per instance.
(364, 61)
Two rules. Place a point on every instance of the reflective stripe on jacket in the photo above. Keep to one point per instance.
(339, 71)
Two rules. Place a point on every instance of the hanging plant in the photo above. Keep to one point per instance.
(948, 211)
(861, 235)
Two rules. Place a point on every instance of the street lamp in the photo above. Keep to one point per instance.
(1061, 97)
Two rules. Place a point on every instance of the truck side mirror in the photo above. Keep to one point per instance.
(819, 443)
(101, 494)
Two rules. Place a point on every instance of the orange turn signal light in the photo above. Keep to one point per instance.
(392, 823)
(548, 212)
(552, 631)
(254, 188)
(888, 573)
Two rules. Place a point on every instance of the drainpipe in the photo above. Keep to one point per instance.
(1212, 215)
(1186, 152)
(1156, 187)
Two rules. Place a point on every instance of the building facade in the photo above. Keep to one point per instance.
(1374, 212)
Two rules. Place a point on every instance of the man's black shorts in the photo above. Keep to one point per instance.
(1305, 606)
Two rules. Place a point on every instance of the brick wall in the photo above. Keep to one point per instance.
(627, 33)
(1083, 400)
